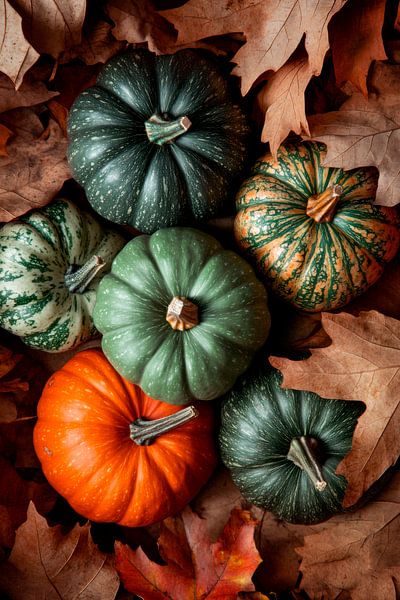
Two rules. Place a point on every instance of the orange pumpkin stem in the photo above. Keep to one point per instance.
(144, 432)
(321, 207)
(182, 313)
(302, 454)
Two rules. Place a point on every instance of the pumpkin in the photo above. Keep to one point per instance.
(51, 261)
(157, 141)
(181, 316)
(116, 454)
(282, 446)
(312, 231)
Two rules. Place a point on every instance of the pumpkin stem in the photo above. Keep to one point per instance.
(302, 454)
(321, 207)
(78, 280)
(144, 432)
(182, 313)
(161, 131)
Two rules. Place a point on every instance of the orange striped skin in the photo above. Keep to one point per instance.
(82, 440)
(314, 265)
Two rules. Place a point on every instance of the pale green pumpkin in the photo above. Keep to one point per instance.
(51, 262)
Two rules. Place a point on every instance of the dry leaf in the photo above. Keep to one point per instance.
(137, 22)
(97, 45)
(282, 100)
(5, 134)
(44, 563)
(52, 26)
(362, 363)
(366, 132)
(31, 92)
(358, 552)
(16, 54)
(60, 114)
(273, 30)
(196, 568)
(36, 167)
(356, 40)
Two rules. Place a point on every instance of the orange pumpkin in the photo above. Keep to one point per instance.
(115, 453)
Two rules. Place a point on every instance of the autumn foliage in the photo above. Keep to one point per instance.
(327, 71)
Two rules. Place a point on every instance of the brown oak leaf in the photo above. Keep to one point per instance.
(16, 53)
(31, 92)
(196, 568)
(362, 363)
(356, 40)
(366, 132)
(44, 563)
(137, 22)
(357, 552)
(52, 26)
(36, 165)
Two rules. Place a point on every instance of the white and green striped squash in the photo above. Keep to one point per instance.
(51, 262)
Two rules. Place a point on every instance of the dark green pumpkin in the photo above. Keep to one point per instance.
(157, 141)
(177, 353)
(260, 420)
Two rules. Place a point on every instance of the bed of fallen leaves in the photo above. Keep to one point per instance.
(326, 70)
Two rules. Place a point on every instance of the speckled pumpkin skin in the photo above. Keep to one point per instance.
(131, 308)
(315, 266)
(129, 179)
(35, 254)
(258, 422)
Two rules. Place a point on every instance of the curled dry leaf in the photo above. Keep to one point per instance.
(366, 132)
(356, 40)
(31, 92)
(36, 166)
(52, 26)
(137, 22)
(97, 45)
(362, 363)
(357, 553)
(44, 563)
(196, 568)
(16, 53)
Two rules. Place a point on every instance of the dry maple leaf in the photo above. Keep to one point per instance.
(362, 363)
(366, 133)
(356, 40)
(44, 563)
(16, 53)
(357, 552)
(52, 26)
(136, 21)
(36, 166)
(196, 569)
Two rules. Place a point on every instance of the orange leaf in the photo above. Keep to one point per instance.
(196, 569)
(5, 133)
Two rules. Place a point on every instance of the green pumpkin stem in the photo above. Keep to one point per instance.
(161, 131)
(182, 314)
(322, 207)
(144, 432)
(302, 454)
(78, 281)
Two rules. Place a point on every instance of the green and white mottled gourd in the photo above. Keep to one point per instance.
(181, 316)
(282, 446)
(157, 141)
(51, 262)
(313, 232)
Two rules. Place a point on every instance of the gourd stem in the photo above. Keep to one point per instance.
(182, 313)
(161, 131)
(78, 281)
(321, 207)
(144, 432)
(301, 453)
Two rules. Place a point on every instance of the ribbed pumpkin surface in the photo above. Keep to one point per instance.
(314, 265)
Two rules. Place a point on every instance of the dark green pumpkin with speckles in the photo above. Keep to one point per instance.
(282, 446)
(313, 232)
(51, 262)
(181, 316)
(157, 141)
